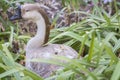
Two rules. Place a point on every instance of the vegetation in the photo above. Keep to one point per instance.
(96, 38)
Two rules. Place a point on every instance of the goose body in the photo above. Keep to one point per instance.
(35, 47)
(46, 52)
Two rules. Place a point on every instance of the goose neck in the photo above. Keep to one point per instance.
(38, 40)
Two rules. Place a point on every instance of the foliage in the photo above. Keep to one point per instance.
(97, 37)
(7, 3)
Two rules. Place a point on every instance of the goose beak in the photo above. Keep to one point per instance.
(17, 15)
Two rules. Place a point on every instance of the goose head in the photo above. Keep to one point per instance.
(29, 12)
(34, 13)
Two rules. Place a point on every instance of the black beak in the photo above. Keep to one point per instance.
(17, 15)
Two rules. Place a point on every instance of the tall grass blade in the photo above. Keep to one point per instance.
(116, 73)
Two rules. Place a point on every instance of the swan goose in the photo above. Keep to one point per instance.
(35, 48)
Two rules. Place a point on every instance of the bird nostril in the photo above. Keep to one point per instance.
(56, 53)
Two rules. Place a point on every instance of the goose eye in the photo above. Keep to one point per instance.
(27, 10)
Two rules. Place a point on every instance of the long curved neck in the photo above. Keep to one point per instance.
(38, 40)
(41, 30)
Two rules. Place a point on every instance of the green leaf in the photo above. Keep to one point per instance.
(90, 53)
(116, 73)
(8, 72)
(111, 54)
(68, 33)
